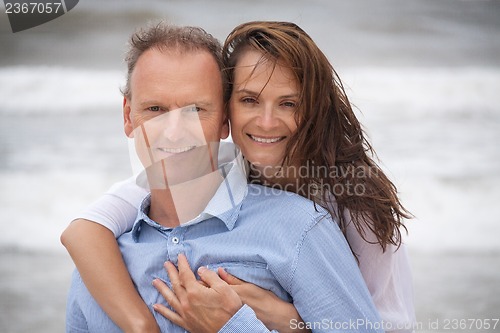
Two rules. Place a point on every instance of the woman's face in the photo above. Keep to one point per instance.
(262, 109)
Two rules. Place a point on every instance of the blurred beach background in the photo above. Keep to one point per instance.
(423, 74)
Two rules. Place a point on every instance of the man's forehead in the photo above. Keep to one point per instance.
(197, 102)
(178, 56)
(156, 64)
(183, 79)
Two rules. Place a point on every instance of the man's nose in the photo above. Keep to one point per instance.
(173, 125)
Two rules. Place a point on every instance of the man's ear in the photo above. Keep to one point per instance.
(127, 123)
(225, 128)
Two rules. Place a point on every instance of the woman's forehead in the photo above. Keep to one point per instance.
(254, 67)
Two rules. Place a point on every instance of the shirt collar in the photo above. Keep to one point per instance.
(226, 202)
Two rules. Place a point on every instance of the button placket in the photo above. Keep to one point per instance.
(175, 243)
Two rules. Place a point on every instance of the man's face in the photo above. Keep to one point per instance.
(175, 110)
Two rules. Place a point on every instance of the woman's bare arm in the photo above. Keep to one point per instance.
(96, 254)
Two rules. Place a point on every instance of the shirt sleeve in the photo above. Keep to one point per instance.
(75, 320)
(327, 287)
(388, 278)
(244, 321)
(116, 209)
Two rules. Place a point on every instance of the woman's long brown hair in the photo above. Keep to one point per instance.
(329, 143)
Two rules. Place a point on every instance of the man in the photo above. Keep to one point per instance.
(202, 213)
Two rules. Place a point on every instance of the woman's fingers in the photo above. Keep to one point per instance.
(171, 299)
(197, 306)
(228, 278)
(168, 294)
(169, 314)
(186, 276)
(239, 286)
(210, 278)
(201, 283)
(173, 275)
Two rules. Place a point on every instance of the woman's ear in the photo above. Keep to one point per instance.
(225, 129)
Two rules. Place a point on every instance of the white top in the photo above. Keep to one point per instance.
(388, 277)
(117, 208)
(387, 274)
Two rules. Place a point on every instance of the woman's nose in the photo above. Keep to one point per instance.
(267, 118)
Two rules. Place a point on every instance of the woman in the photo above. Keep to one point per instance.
(294, 123)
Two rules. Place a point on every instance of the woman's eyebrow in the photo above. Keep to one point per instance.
(245, 91)
(250, 92)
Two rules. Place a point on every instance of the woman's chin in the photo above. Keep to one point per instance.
(265, 168)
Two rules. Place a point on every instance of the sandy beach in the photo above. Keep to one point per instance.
(33, 291)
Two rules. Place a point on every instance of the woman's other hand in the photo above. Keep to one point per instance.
(275, 313)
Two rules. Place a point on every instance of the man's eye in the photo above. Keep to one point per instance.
(192, 109)
(154, 108)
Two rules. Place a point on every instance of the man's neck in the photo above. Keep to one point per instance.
(183, 202)
(162, 209)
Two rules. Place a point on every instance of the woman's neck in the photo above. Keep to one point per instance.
(280, 177)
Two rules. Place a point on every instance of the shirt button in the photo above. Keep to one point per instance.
(175, 240)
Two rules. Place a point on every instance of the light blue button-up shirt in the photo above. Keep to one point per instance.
(274, 239)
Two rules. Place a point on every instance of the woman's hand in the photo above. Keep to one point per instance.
(199, 307)
(275, 313)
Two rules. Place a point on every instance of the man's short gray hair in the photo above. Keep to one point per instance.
(163, 37)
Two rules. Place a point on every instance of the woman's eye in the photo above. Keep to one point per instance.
(289, 104)
(249, 100)
(154, 108)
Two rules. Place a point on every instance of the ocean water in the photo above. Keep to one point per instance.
(424, 76)
(436, 132)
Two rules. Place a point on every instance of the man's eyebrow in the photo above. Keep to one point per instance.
(250, 92)
(148, 103)
(202, 103)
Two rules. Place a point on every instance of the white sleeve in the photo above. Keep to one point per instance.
(117, 208)
(389, 280)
